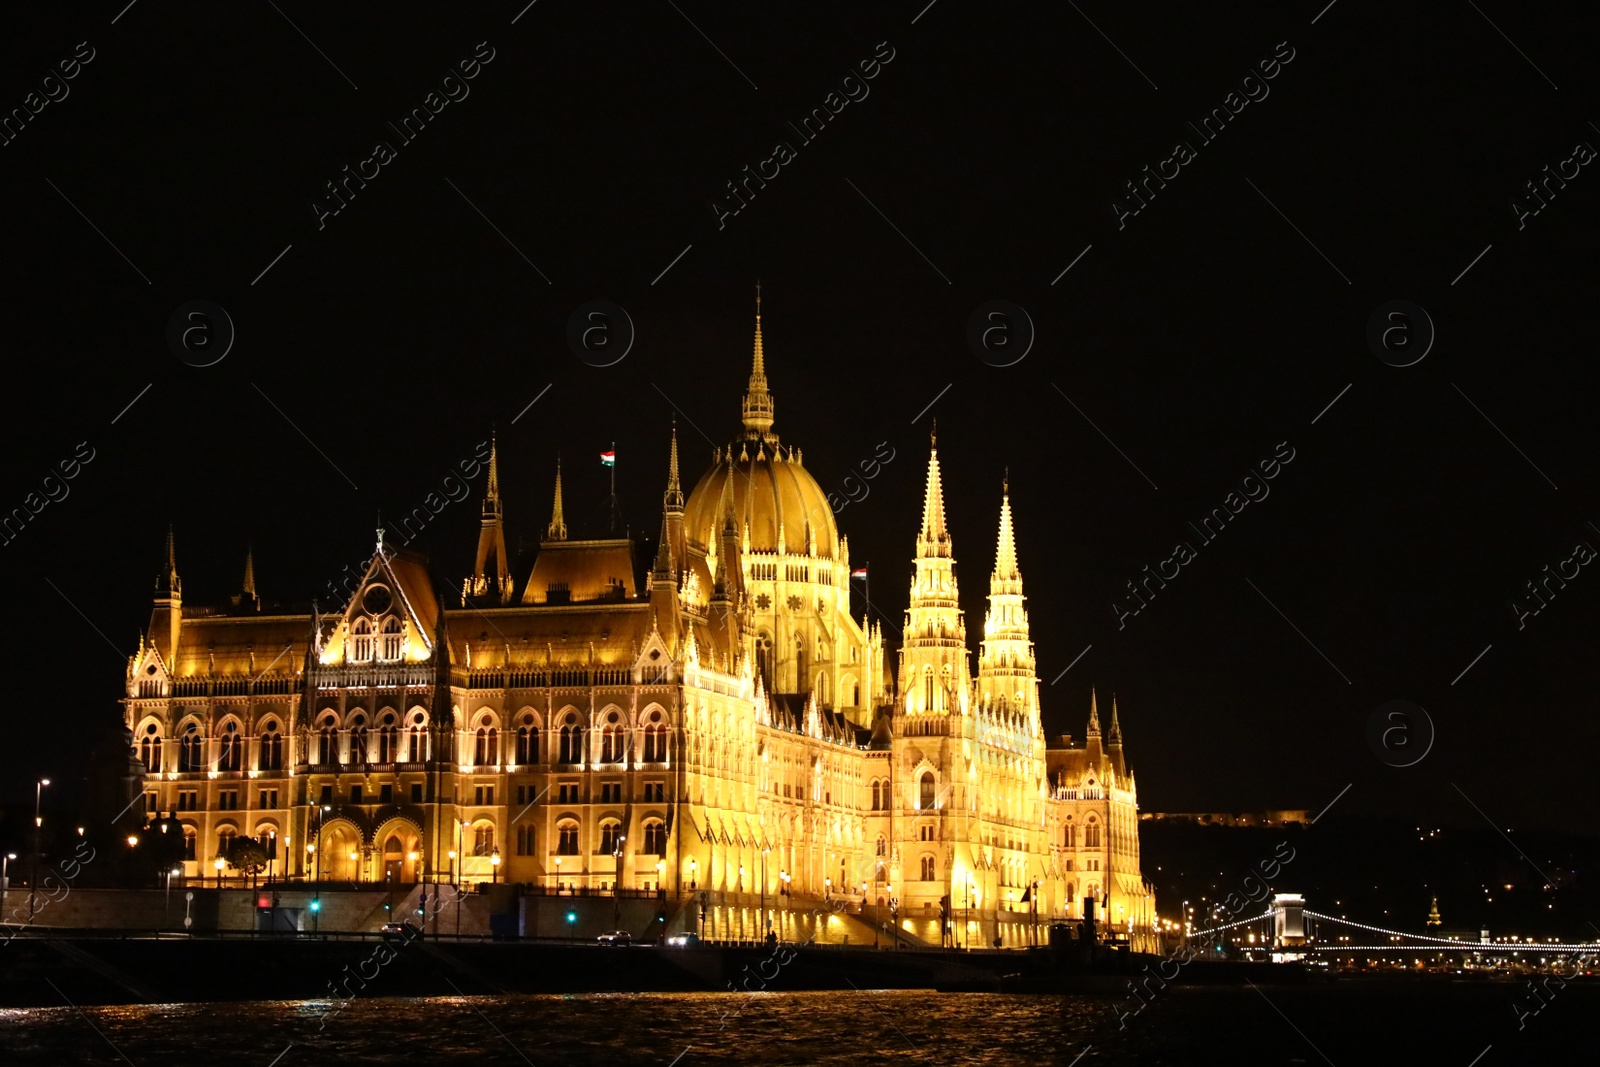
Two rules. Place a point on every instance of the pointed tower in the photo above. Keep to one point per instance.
(934, 671)
(1114, 742)
(757, 407)
(247, 600)
(1006, 667)
(557, 530)
(491, 577)
(166, 615)
(672, 508)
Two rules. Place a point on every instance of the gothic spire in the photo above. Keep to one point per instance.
(1094, 716)
(757, 408)
(491, 494)
(1115, 736)
(674, 496)
(1005, 560)
(934, 533)
(249, 588)
(557, 530)
(170, 582)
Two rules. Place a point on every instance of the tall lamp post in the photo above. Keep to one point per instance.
(494, 865)
(616, 880)
(33, 869)
(5, 865)
(766, 927)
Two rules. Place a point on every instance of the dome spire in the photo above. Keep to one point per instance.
(757, 407)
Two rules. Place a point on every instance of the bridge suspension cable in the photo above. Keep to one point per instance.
(1476, 946)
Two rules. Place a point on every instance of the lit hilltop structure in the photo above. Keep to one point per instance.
(689, 725)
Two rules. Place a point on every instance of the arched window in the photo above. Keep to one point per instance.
(191, 748)
(927, 868)
(231, 748)
(361, 644)
(487, 751)
(388, 739)
(188, 843)
(1072, 892)
(877, 797)
(150, 749)
(609, 839)
(883, 846)
(358, 740)
(655, 838)
(611, 740)
(482, 840)
(1067, 836)
(655, 739)
(927, 689)
(571, 743)
(225, 841)
(416, 740)
(392, 643)
(327, 743)
(271, 755)
(567, 839)
(1091, 834)
(925, 787)
(764, 659)
(525, 841)
(527, 745)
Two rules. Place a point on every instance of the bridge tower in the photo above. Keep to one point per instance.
(1289, 924)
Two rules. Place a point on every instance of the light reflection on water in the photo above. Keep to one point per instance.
(1347, 1023)
(865, 1027)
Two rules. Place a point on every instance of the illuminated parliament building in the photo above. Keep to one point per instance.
(691, 724)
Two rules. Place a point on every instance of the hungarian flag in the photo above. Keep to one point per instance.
(859, 572)
(608, 459)
(1027, 894)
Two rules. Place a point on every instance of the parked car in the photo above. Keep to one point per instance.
(615, 937)
(397, 929)
(688, 939)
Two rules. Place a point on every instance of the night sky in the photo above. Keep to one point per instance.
(1381, 161)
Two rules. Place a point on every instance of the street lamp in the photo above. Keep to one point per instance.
(5, 883)
(494, 864)
(694, 866)
(219, 863)
(33, 867)
(558, 874)
(133, 840)
(765, 925)
(661, 871)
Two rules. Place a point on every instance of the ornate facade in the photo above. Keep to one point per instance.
(697, 725)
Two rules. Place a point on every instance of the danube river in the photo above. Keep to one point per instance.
(1342, 1024)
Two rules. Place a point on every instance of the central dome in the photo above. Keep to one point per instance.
(772, 494)
(771, 491)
